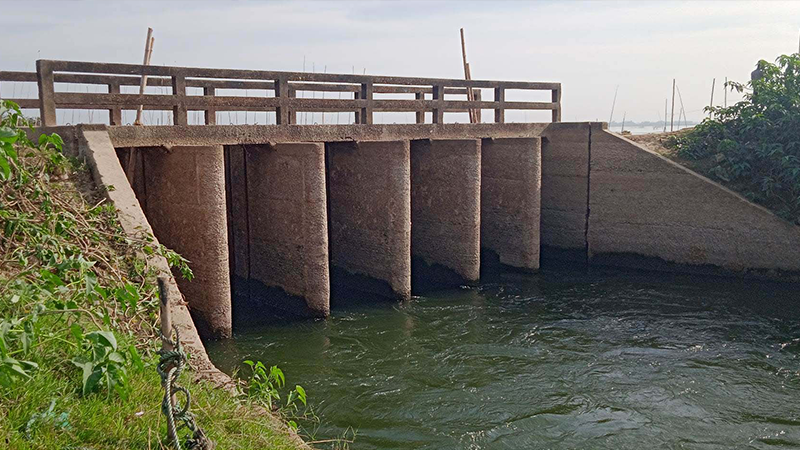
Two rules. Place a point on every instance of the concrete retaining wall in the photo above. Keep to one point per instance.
(369, 200)
(185, 188)
(645, 205)
(288, 230)
(511, 180)
(445, 211)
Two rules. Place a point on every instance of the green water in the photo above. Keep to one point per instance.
(554, 360)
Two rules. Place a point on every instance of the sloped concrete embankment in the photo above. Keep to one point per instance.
(642, 210)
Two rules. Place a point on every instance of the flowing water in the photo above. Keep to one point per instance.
(557, 360)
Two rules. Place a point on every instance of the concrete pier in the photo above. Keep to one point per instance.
(511, 181)
(185, 204)
(565, 191)
(288, 230)
(369, 204)
(445, 211)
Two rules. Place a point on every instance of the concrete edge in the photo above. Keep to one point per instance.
(96, 150)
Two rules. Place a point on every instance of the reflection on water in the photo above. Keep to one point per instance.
(554, 360)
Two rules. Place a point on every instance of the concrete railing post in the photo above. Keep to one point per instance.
(210, 112)
(420, 114)
(556, 96)
(47, 101)
(179, 115)
(282, 93)
(366, 111)
(499, 112)
(293, 114)
(477, 96)
(114, 114)
(357, 114)
(438, 109)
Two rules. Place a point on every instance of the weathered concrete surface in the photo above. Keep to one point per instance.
(445, 208)
(288, 229)
(186, 208)
(97, 151)
(133, 136)
(511, 180)
(369, 201)
(565, 191)
(643, 204)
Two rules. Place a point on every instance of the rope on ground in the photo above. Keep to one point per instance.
(170, 365)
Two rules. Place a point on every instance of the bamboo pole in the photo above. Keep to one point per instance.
(148, 51)
(683, 109)
(467, 76)
(672, 115)
(166, 319)
(725, 96)
(613, 103)
(713, 84)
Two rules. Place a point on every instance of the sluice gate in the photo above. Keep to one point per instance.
(292, 216)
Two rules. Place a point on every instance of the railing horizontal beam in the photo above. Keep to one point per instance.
(222, 103)
(197, 72)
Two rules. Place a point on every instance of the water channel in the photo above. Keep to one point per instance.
(555, 360)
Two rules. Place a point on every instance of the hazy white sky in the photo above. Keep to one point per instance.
(590, 47)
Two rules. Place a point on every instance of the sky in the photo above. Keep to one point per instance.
(590, 47)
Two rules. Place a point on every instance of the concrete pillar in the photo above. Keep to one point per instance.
(565, 192)
(511, 180)
(186, 208)
(369, 202)
(288, 229)
(445, 211)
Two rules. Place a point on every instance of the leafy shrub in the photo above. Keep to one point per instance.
(62, 262)
(755, 143)
(264, 386)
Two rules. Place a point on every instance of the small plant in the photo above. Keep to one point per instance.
(12, 370)
(264, 386)
(103, 364)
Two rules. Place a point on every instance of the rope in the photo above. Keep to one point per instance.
(170, 365)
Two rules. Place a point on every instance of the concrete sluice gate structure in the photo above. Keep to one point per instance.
(292, 216)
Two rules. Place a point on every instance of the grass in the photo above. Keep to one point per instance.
(78, 318)
(95, 422)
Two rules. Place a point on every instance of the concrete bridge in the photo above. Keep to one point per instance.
(288, 214)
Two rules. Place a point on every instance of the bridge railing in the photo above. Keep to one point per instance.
(430, 94)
